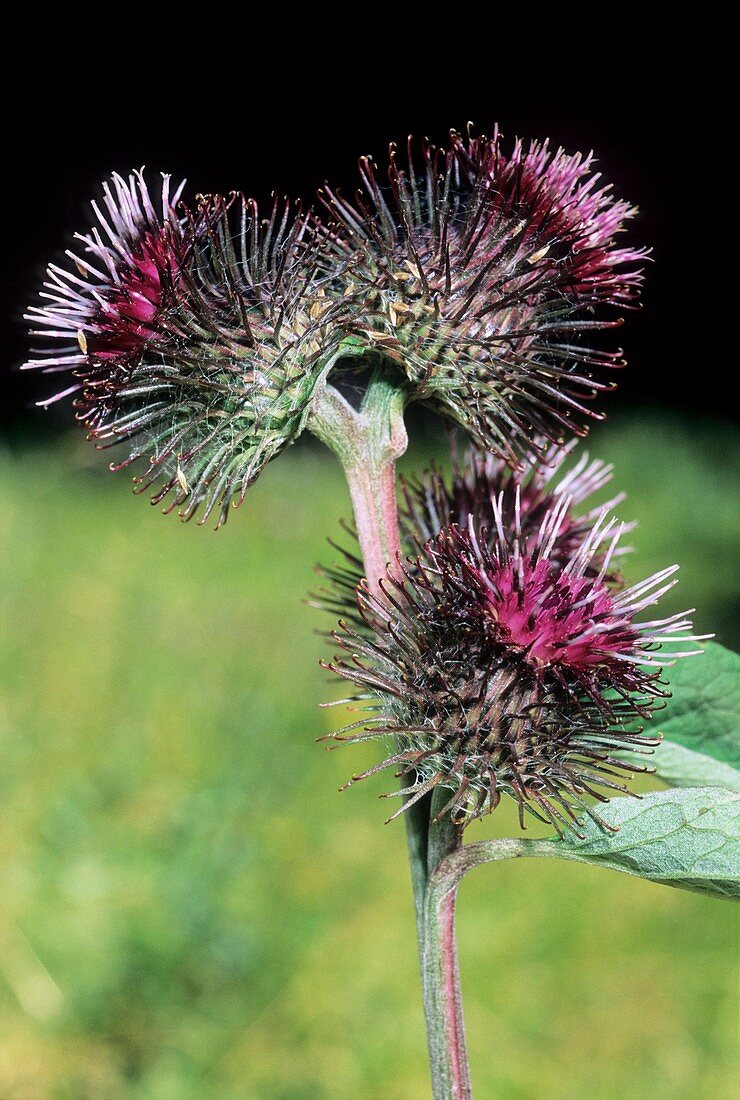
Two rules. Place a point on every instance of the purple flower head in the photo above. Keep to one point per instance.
(200, 338)
(197, 337)
(127, 317)
(481, 483)
(512, 659)
(479, 273)
(111, 307)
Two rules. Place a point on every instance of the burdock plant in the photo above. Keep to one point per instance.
(489, 638)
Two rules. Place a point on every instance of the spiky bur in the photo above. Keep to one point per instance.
(199, 338)
(195, 337)
(510, 658)
(479, 480)
(480, 273)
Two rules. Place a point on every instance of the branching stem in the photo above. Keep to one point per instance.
(368, 441)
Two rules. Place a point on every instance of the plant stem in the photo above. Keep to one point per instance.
(449, 862)
(367, 443)
(448, 1056)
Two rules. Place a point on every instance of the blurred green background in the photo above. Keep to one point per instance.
(189, 909)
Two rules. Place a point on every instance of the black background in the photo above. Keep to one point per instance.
(253, 117)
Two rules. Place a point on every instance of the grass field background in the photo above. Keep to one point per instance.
(188, 908)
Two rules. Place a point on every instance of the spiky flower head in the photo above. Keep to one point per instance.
(199, 338)
(511, 659)
(481, 483)
(195, 336)
(479, 272)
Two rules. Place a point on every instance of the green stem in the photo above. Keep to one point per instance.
(442, 998)
(452, 868)
(448, 1057)
(367, 443)
(417, 841)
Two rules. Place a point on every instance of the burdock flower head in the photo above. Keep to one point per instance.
(509, 657)
(479, 271)
(203, 338)
(482, 484)
(198, 337)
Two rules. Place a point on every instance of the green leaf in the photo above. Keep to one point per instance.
(680, 767)
(703, 714)
(688, 838)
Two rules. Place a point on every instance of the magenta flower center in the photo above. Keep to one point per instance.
(555, 618)
(125, 323)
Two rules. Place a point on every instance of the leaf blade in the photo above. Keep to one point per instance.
(703, 713)
(681, 767)
(687, 838)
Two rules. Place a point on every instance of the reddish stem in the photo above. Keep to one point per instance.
(442, 994)
(454, 1022)
(367, 442)
(375, 508)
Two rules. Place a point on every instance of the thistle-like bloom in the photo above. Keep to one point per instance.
(196, 337)
(480, 271)
(481, 483)
(200, 338)
(511, 658)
